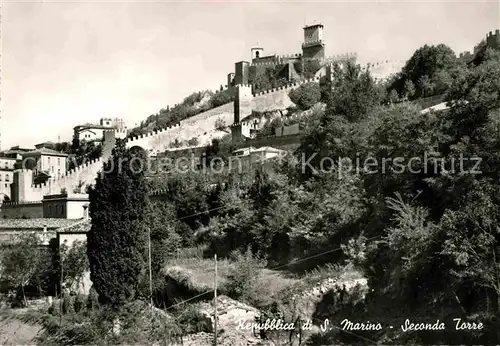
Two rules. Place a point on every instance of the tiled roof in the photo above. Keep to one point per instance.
(36, 223)
(92, 126)
(45, 151)
(80, 226)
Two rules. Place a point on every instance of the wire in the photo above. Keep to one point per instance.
(274, 268)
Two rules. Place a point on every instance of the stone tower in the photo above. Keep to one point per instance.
(242, 109)
(257, 53)
(313, 46)
(241, 74)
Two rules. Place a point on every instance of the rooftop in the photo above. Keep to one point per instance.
(82, 226)
(52, 223)
(45, 151)
(92, 126)
(314, 26)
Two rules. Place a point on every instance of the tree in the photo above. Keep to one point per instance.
(306, 95)
(74, 263)
(116, 242)
(23, 261)
(428, 69)
(409, 89)
(354, 92)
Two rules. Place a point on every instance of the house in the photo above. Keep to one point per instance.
(95, 132)
(66, 206)
(243, 158)
(6, 176)
(46, 163)
(48, 145)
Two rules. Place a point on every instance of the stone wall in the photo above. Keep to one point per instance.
(16, 210)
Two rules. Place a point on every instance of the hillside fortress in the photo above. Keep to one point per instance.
(248, 99)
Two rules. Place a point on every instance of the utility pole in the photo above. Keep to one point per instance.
(215, 301)
(150, 275)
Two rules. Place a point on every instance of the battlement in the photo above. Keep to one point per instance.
(152, 133)
(224, 88)
(243, 86)
(69, 175)
(289, 56)
(15, 204)
(491, 34)
(344, 56)
(266, 63)
(288, 86)
(313, 43)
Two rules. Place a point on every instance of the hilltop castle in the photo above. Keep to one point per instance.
(286, 67)
(22, 187)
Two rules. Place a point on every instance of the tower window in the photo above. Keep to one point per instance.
(257, 54)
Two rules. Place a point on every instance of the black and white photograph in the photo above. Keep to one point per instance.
(232, 173)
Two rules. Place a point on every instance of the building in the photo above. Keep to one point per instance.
(7, 165)
(95, 132)
(245, 158)
(48, 145)
(313, 46)
(45, 163)
(66, 206)
(70, 206)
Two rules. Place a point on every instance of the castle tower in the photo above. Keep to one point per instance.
(242, 102)
(493, 39)
(313, 46)
(242, 109)
(21, 186)
(108, 144)
(241, 70)
(230, 80)
(257, 53)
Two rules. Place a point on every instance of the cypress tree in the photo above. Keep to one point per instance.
(116, 242)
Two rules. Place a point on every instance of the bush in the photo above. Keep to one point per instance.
(242, 279)
(68, 305)
(192, 320)
(306, 95)
(93, 299)
(221, 98)
(193, 141)
(220, 124)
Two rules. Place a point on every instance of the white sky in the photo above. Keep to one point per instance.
(65, 63)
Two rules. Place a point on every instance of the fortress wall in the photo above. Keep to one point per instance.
(14, 210)
(272, 101)
(227, 108)
(85, 173)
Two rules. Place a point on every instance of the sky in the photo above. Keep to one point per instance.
(67, 63)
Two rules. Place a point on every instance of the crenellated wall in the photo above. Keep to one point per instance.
(19, 210)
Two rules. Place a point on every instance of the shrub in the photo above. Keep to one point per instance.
(220, 124)
(242, 279)
(306, 95)
(68, 306)
(93, 299)
(221, 98)
(193, 141)
(79, 302)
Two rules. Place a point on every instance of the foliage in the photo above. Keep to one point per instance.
(221, 98)
(355, 92)
(74, 262)
(25, 262)
(220, 124)
(116, 241)
(243, 277)
(193, 142)
(306, 95)
(427, 72)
